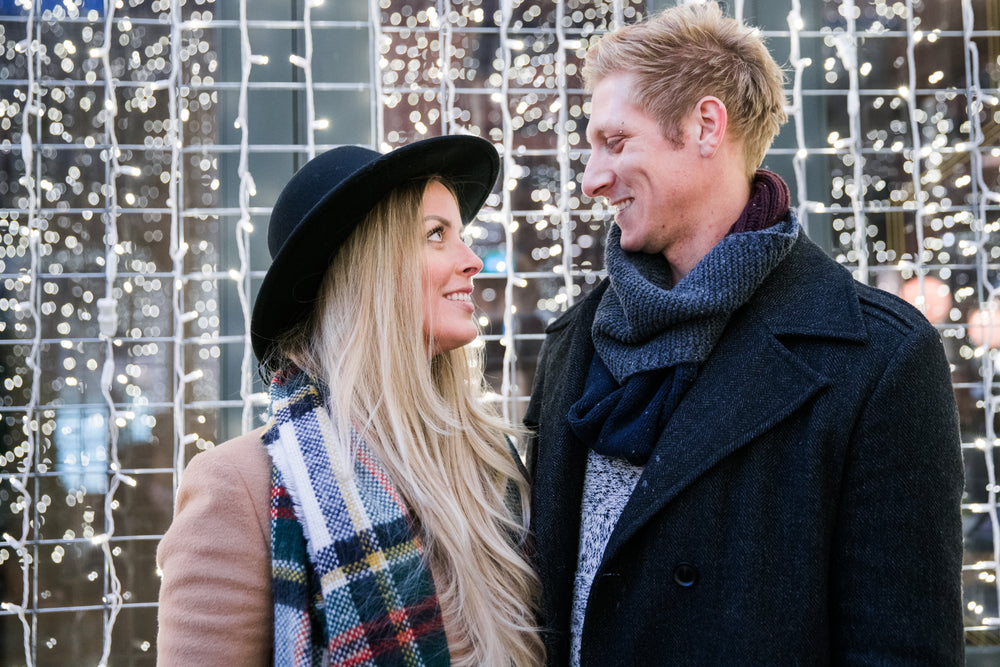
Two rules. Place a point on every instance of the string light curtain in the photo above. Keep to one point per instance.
(143, 141)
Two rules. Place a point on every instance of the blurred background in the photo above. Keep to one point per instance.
(142, 143)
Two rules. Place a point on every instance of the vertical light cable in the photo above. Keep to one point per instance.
(178, 245)
(917, 150)
(562, 137)
(617, 14)
(987, 291)
(447, 94)
(375, 72)
(507, 389)
(31, 305)
(305, 64)
(108, 324)
(847, 51)
(799, 64)
(243, 227)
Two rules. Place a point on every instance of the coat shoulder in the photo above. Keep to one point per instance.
(890, 311)
(241, 461)
(246, 453)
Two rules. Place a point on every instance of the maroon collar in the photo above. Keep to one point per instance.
(768, 203)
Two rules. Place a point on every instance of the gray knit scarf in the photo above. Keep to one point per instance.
(651, 337)
(643, 324)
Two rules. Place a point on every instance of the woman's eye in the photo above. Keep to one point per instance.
(436, 234)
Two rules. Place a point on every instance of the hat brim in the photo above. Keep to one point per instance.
(290, 287)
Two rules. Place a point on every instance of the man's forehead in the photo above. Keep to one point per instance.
(610, 105)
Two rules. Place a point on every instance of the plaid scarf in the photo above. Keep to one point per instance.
(350, 585)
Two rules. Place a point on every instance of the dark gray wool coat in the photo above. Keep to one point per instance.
(801, 507)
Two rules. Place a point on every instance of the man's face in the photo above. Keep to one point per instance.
(651, 182)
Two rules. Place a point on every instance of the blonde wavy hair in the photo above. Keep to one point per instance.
(445, 449)
(687, 52)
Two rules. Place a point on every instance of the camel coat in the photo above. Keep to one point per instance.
(215, 595)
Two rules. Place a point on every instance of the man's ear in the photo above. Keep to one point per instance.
(711, 117)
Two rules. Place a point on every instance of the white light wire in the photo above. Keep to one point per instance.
(562, 138)
(617, 14)
(798, 63)
(449, 124)
(31, 304)
(305, 64)
(178, 245)
(919, 196)
(987, 301)
(108, 324)
(375, 73)
(507, 385)
(243, 227)
(847, 51)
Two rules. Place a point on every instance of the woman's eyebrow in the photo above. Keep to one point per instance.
(446, 221)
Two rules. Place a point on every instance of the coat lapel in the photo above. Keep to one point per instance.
(739, 394)
(750, 383)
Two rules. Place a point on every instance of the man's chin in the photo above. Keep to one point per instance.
(629, 244)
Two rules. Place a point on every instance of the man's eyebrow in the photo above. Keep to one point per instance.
(596, 131)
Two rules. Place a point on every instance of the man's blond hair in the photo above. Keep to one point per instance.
(687, 52)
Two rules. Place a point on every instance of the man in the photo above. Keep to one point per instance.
(743, 456)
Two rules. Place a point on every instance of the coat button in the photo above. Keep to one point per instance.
(685, 574)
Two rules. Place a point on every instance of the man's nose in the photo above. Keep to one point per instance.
(596, 176)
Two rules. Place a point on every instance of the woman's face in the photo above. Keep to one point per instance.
(449, 265)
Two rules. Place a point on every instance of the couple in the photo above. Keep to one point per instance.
(738, 454)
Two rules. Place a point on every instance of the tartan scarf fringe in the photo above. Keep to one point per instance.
(350, 585)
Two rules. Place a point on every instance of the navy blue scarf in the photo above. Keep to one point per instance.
(651, 338)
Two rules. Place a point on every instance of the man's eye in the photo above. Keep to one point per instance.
(614, 144)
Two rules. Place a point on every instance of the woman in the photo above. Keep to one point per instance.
(380, 516)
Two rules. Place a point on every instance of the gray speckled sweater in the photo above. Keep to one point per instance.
(606, 490)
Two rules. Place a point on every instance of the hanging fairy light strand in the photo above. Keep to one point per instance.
(108, 324)
(449, 117)
(916, 152)
(508, 183)
(987, 291)
(846, 44)
(179, 247)
(562, 150)
(797, 112)
(304, 62)
(20, 483)
(618, 13)
(376, 59)
(247, 189)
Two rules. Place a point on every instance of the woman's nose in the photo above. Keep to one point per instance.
(471, 264)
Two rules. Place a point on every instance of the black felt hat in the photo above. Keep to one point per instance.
(330, 195)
